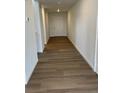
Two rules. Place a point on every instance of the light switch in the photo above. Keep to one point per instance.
(27, 19)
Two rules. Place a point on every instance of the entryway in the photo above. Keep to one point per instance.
(57, 24)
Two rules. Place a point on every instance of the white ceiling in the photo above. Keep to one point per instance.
(53, 5)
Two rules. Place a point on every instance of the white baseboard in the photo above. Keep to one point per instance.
(78, 49)
(26, 81)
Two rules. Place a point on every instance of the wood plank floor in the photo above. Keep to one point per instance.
(61, 69)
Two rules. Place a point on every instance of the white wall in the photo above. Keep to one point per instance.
(96, 54)
(46, 21)
(44, 24)
(30, 41)
(38, 25)
(82, 28)
(57, 24)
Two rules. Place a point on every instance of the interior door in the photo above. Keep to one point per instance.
(57, 24)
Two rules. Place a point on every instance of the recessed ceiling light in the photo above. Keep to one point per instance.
(58, 10)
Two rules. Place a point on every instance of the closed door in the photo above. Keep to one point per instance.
(57, 24)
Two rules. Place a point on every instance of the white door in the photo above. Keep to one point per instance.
(57, 24)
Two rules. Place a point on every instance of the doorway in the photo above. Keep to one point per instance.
(57, 24)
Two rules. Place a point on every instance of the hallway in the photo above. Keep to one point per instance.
(61, 69)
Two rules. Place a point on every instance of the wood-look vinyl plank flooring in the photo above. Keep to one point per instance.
(61, 69)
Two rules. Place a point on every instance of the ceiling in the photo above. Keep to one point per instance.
(53, 5)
